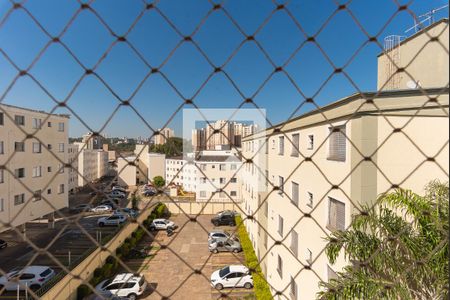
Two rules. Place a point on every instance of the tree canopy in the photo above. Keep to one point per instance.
(398, 249)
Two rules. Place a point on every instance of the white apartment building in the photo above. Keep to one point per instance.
(322, 166)
(33, 180)
(211, 174)
(72, 153)
(92, 164)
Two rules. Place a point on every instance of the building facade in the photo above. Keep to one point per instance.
(92, 164)
(163, 136)
(323, 166)
(33, 182)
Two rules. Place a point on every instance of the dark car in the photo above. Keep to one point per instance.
(81, 208)
(224, 218)
(3, 244)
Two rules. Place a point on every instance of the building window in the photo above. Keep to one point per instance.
(336, 215)
(310, 142)
(233, 167)
(61, 168)
(19, 146)
(293, 288)
(49, 191)
(331, 274)
(280, 266)
(49, 169)
(233, 194)
(281, 185)
(294, 193)
(2, 147)
(20, 173)
(61, 147)
(337, 143)
(310, 200)
(281, 145)
(266, 207)
(222, 180)
(49, 146)
(61, 189)
(203, 167)
(295, 145)
(37, 195)
(37, 148)
(49, 124)
(203, 194)
(19, 199)
(222, 167)
(309, 257)
(37, 171)
(19, 120)
(61, 127)
(2, 176)
(37, 123)
(294, 242)
(233, 180)
(2, 205)
(280, 225)
(2, 119)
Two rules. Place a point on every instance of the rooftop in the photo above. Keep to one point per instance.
(33, 110)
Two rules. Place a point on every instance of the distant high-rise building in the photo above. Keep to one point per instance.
(163, 136)
(198, 139)
(92, 142)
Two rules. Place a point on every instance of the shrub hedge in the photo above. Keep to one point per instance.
(111, 265)
(262, 290)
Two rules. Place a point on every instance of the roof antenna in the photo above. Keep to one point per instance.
(426, 17)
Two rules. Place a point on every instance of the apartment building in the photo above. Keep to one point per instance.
(164, 135)
(140, 167)
(72, 153)
(211, 174)
(324, 165)
(92, 163)
(33, 180)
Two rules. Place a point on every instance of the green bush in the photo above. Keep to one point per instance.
(83, 291)
(98, 272)
(262, 290)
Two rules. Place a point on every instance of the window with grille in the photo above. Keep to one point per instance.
(19, 199)
(310, 142)
(222, 167)
(37, 148)
(294, 242)
(19, 120)
(37, 171)
(280, 225)
(19, 146)
(293, 289)
(61, 127)
(337, 144)
(295, 194)
(233, 180)
(37, 123)
(61, 189)
(61, 147)
(222, 180)
(233, 193)
(20, 173)
(281, 145)
(295, 145)
(280, 266)
(202, 194)
(336, 214)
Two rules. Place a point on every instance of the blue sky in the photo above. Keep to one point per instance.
(186, 68)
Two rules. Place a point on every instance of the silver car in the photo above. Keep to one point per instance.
(216, 246)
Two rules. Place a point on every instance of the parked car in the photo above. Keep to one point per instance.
(162, 224)
(123, 285)
(131, 213)
(221, 235)
(119, 188)
(148, 193)
(32, 276)
(114, 220)
(225, 218)
(232, 276)
(117, 194)
(113, 203)
(3, 244)
(229, 245)
(80, 208)
(102, 209)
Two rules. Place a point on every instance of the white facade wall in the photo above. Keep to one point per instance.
(43, 185)
(73, 161)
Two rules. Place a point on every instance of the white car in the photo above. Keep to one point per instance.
(114, 220)
(119, 188)
(32, 277)
(232, 276)
(162, 224)
(102, 209)
(221, 235)
(123, 285)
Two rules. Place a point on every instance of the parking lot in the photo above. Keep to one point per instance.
(171, 271)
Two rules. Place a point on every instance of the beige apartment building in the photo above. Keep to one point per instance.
(140, 167)
(33, 182)
(72, 153)
(164, 135)
(92, 163)
(322, 166)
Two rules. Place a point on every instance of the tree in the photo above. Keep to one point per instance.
(158, 181)
(398, 249)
